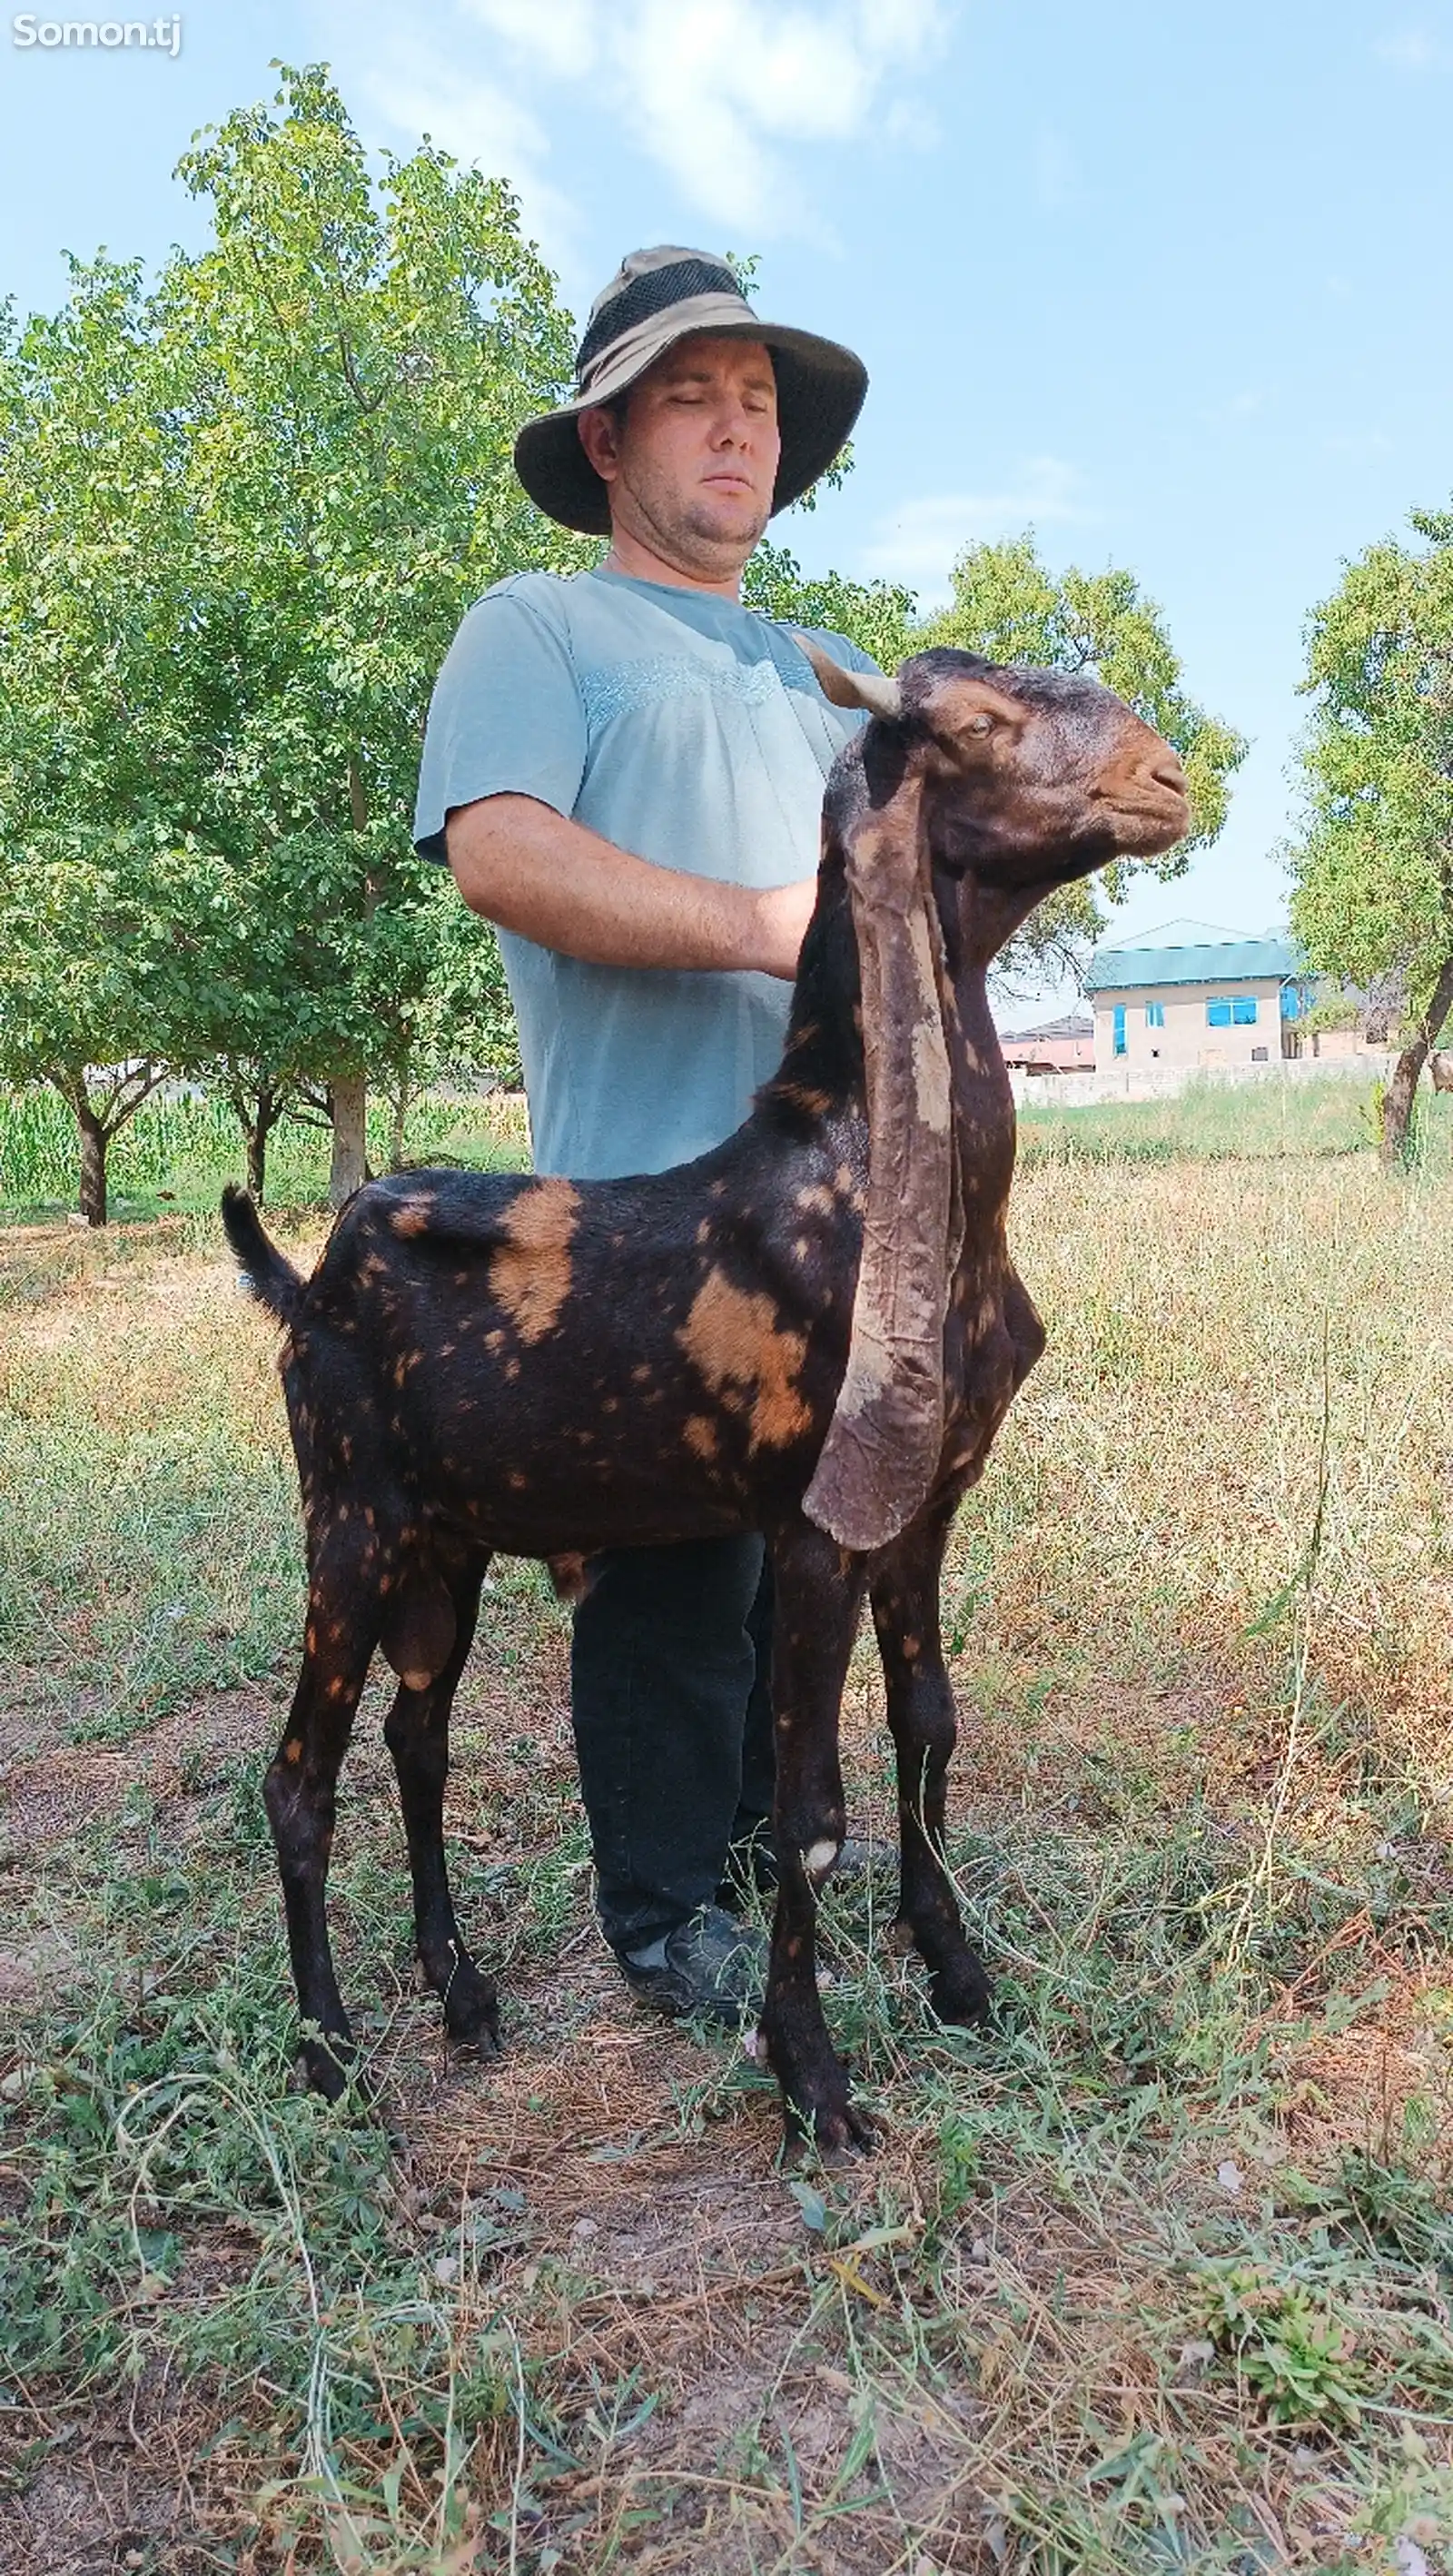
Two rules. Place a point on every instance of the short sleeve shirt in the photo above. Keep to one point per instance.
(684, 728)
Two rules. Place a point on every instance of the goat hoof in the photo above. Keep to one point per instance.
(963, 1992)
(471, 2018)
(481, 2040)
(330, 2064)
(837, 2138)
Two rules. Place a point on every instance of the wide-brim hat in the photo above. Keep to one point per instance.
(656, 298)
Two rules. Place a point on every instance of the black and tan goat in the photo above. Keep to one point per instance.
(813, 1331)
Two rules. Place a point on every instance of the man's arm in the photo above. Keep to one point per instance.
(531, 870)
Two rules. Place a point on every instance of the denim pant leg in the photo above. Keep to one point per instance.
(662, 1670)
(753, 1820)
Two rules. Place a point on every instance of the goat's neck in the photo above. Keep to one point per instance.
(984, 1125)
(821, 1072)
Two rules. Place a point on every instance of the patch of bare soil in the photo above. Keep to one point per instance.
(121, 2500)
(54, 1787)
(683, 2259)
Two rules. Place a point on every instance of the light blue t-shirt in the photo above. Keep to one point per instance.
(690, 731)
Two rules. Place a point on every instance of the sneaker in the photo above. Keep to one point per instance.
(711, 1964)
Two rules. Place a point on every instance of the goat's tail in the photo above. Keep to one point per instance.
(267, 1277)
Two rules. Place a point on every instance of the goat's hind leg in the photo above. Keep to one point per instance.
(905, 1598)
(416, 1731)
(300, 1792)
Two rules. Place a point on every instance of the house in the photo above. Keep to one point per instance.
(1059, 1046)
(1189, 994)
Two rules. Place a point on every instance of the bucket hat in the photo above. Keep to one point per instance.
(656, 298)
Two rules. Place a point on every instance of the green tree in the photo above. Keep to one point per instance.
(1008, 606)
(879, 615)
(240, 518)
(362, 360)
(1372, 874)
(99, 721)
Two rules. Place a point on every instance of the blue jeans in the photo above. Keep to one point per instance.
(671, 1699)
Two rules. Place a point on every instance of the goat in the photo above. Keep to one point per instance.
(813, 1331)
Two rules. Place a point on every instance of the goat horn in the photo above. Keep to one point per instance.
(866, 689)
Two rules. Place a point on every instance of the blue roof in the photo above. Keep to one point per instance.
(1224, 961)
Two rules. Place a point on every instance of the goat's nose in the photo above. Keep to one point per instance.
(1167, 772)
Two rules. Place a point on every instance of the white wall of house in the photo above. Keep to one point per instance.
(1183, 1036)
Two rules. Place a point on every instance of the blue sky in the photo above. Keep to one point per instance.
(1171, 286)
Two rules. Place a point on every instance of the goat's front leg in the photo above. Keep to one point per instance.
(416, 1732)
(905, 1598)
(819, 1593)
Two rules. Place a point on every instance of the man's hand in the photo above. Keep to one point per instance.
(783, 913)
(531, 870)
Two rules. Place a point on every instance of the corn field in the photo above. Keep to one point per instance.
(183, 1146)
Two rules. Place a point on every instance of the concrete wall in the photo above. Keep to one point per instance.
(1167, 1081)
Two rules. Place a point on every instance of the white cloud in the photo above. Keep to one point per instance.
(918, 542)
(560, 34)
(477, 122)
(713, 90)
(1412, 50)
(726, 97)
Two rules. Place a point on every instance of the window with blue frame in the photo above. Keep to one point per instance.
(1155, 1015)
(1119, 1026)
(1218, 1014)
(1243, 1011)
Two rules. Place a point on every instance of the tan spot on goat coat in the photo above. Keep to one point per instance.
(530, 1274)
(412, 1216)
(734, 1340)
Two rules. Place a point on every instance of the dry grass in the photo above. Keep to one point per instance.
(1155, 2274)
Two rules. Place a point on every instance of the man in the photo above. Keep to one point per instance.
(625, 772)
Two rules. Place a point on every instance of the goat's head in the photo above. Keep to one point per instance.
(1020, 780)
(1027, 778)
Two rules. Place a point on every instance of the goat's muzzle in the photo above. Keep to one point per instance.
(1143, 798)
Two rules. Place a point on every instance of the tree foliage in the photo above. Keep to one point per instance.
(114, 923)
(1372, 874)
(877, 614)
(242, 518)
(241, 515)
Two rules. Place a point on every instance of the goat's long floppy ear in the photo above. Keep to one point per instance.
(866, 689)
(884, 1441)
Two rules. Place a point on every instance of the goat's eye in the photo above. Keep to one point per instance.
(981, 724)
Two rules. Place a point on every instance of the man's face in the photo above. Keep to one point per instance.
(692, 467)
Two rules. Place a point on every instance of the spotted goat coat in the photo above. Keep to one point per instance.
(813, 1331)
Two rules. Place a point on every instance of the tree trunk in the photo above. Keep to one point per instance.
(269, 1111)
(348, 1101)
(94, 1141)
(400, 1105)
(1397, 1103)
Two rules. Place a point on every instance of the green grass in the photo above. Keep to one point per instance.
(1225, 1122)
(1156, 2272)
(176, 1153)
